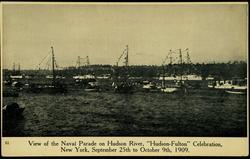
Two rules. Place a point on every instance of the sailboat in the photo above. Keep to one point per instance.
(179, 85)
(55, 87)
(121, 83)
(235, 86)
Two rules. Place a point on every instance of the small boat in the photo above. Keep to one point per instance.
(92, 86)
(150, 87)
(234, 86)
(169, 90)
(17, 85)
(12, 110)
(235, 92)
(175, 88)
(84, 79)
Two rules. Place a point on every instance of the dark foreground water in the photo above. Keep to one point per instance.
(139, 114)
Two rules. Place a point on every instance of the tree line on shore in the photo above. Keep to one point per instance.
(219, 70)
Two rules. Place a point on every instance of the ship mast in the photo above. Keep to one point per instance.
(163, 76)
(19, 68)
(53, 65)
(164, 64)
(87, 61)
(78, 65)
(181, 64)
(14, 69)
(78, 62)
(126, 58)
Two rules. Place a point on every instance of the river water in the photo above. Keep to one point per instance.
(139, 114)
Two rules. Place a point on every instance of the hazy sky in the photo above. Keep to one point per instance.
(215, 32)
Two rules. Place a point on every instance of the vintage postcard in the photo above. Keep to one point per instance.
(124, 79)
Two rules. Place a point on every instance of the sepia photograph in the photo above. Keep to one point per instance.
(124, 69)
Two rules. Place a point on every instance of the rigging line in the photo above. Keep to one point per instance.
(124, 51)
(186, 49)
(82, 58)
(43, 59)
(45, 68)
(47, 65)
(173, 52)
(39, 65)
(172, 60)
(164, 61)
(48, 62)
